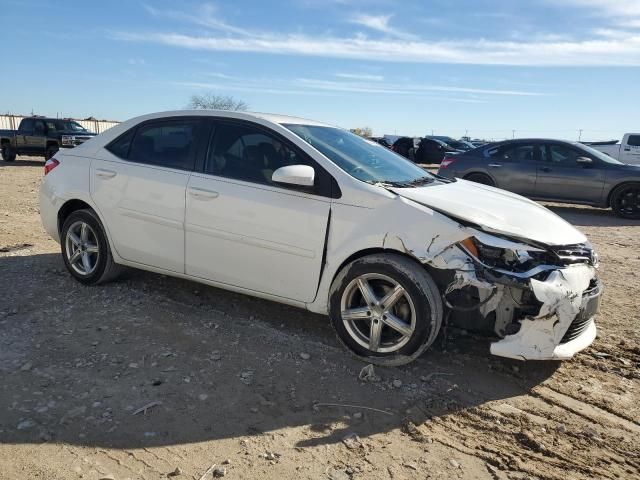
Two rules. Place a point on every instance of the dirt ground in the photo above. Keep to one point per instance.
(153, 377)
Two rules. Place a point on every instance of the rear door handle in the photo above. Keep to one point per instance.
(627, 149)
(495, 165)
(202, 193)
(102, 173)
(545, 169)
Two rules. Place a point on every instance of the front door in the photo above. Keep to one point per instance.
(244, 230)
(138, 184)
(566, 175)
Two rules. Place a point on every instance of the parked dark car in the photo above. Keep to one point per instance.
(406, 147)
(461, 145)
(42, 137)
(431, 150)
(381, 140)
(552, 170)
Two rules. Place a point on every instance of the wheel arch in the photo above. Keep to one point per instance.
(480, 172)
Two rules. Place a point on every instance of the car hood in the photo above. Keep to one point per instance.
(495, 210)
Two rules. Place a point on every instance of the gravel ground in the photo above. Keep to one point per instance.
(153, 377)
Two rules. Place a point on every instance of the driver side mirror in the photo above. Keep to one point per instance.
(301, 175)
(584, 161)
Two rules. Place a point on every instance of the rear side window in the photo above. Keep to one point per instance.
(167, 143)
(26, 125)
(120, 146)
(634, 141)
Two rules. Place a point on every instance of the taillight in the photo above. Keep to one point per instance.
(446, 161)
(50, 165)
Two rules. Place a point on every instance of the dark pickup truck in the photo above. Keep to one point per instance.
(42, 137)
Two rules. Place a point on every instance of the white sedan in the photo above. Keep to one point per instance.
(307, 214)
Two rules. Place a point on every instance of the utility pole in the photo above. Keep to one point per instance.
(513, 134)
(580, 135)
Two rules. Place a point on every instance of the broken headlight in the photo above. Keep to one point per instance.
(496, 252)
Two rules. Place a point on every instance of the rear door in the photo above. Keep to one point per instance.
(244, 230)
(37, 141)
(138, 183)
(513, 166)
(564, 175)
(630, 150)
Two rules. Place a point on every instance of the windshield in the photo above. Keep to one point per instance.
(65, 126)
(360, 158)
(598, 154)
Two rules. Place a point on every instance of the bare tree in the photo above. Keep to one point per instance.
(363, 132)
(210, 101)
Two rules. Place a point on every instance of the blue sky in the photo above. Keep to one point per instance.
(486, 67)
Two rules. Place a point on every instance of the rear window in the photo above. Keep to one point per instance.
(634, 140)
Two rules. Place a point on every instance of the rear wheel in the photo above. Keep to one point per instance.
(480, 178)
(8, 155)
(51, 151)
(386, 309)
(625, 201)
(85, 249)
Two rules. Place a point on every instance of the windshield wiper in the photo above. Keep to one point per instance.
(419, 181)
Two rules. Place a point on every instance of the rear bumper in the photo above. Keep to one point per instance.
(49, 210)
(558, 333)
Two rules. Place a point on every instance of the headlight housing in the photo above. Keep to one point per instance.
(67, 139)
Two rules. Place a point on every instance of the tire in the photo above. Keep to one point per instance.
(100, 267)
(480, 178)
(8, 155)
(50, 152)
(625, 201)
(418, 307)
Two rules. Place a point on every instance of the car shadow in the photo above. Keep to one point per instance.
(22, 163)
(151, 360)
(590, 217)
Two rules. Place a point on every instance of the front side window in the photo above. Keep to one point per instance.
(169, 143)
(561, 154)
(363, 160)
(249, 154)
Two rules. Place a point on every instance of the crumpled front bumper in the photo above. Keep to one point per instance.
(565, 324)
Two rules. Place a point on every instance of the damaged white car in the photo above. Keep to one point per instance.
(311, 215)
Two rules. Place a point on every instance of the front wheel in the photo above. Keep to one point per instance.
(385, 308)
(8, 155)
(625, 201)
(85, 249)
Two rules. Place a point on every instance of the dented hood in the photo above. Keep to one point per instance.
(495, 210)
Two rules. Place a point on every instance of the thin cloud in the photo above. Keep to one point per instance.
(360, 76)
(597, 51)
(379, 23)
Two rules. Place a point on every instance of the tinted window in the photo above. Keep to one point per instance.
(518, 153)
(248, 153)
(564, 155)
(120, 146)
(634, 140)
(26, 125)
(38, 126)
(169, 143)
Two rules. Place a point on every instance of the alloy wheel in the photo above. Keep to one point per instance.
(81, 245)
(378, 313)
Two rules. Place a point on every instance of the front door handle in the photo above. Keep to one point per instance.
(495, 165)
(545, 169)
(202, 193)
(102, 173)
(627, 149)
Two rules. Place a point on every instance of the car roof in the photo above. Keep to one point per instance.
(269, 117)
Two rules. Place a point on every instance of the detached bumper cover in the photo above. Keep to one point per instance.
(565, 324)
